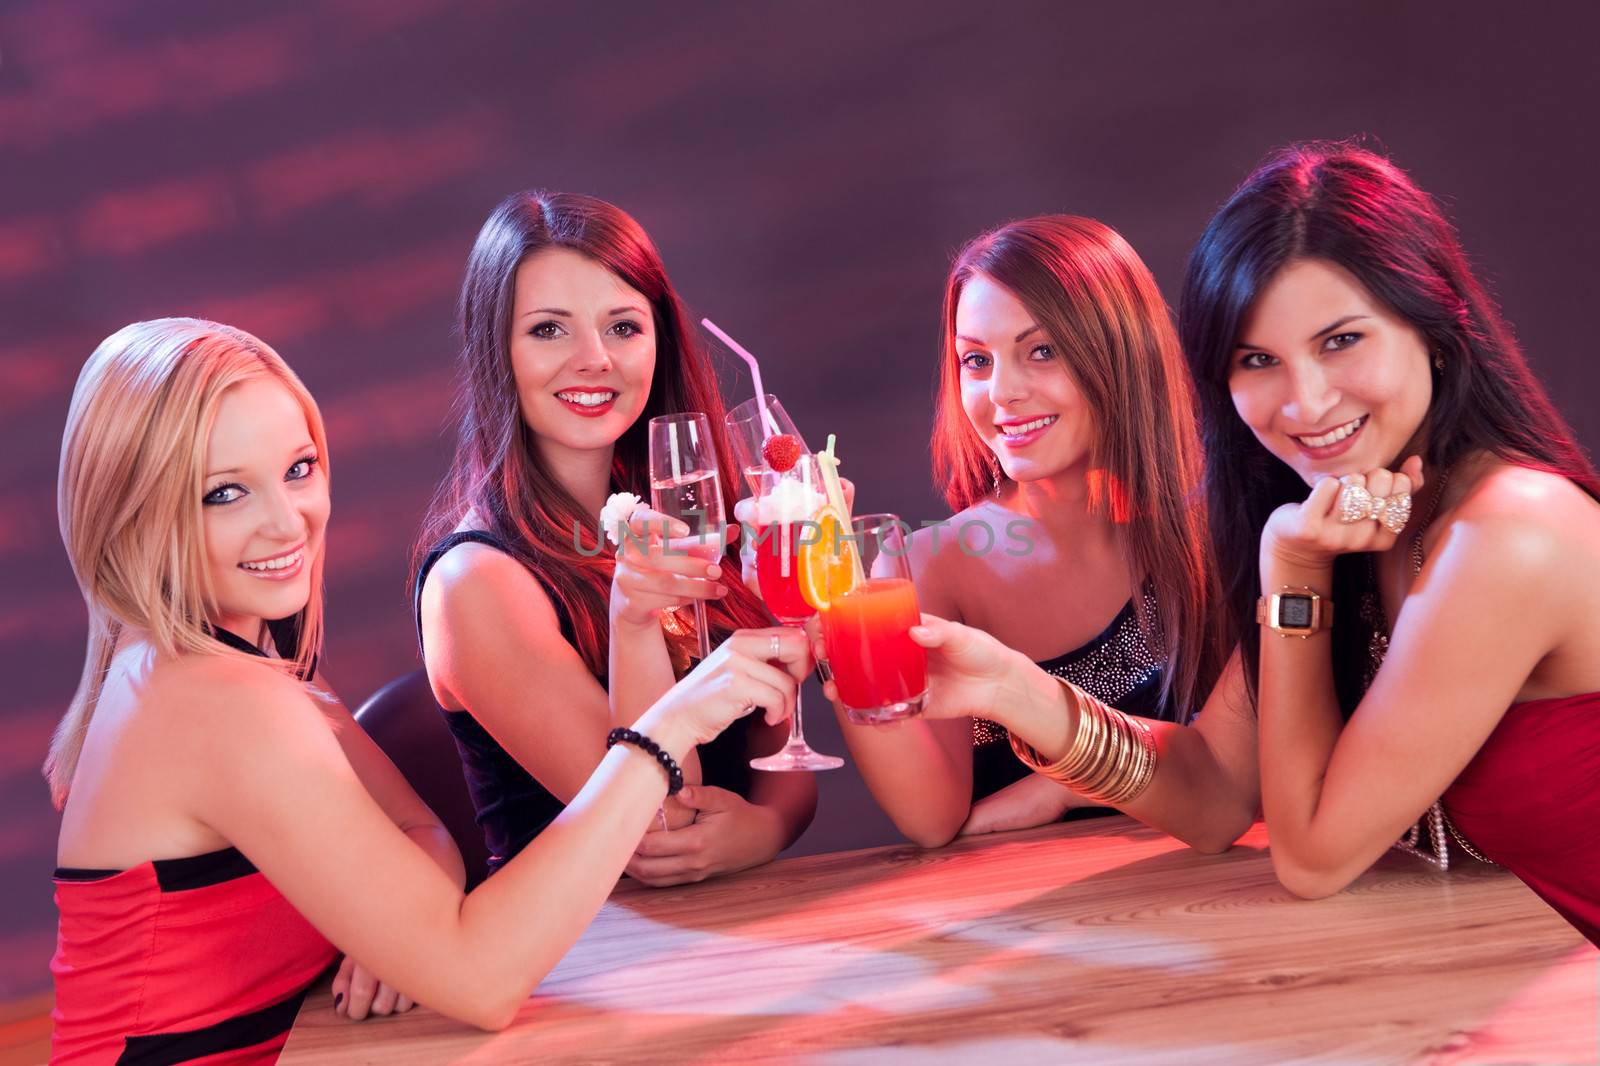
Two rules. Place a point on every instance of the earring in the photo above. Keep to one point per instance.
(997, 480)
(1438, 360)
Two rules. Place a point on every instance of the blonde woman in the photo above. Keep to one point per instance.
(227, 830)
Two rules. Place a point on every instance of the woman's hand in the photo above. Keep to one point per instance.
(965, 668)
(661, 568)
(1022, 804)
(357, 992)
(1309, 535)
(752, 668)
(729, 834)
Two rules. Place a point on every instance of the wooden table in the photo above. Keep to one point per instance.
(1097, 942)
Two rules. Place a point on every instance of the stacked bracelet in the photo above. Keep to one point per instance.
(1112, 758)
(639, 740)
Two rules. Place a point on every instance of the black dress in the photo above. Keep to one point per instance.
(1121, 667)
(512, 806)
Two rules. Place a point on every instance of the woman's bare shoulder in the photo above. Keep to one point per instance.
(1532, 531)
(204, 681)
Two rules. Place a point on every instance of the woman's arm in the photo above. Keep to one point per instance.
(494, 647)
(1337, 795)
(276, 784)
(1204, 787)
(357, 990)
(1205, 791)
(389, 788)
(730, 833)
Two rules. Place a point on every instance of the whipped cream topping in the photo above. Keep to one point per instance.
(790, 500)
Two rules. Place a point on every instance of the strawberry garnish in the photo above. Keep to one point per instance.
(781, 452)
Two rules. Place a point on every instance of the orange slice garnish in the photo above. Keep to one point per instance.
(828, 564)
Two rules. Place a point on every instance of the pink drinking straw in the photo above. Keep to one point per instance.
(769, 425)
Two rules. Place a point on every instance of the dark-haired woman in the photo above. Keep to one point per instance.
(1077, 559)
(572, 339)
(1340, 342)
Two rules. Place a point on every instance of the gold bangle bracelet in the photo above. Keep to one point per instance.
(1112, 758)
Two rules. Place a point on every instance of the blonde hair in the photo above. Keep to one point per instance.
(129, 500)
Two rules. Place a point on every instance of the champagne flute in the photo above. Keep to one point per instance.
(684, 484)
(747, 436)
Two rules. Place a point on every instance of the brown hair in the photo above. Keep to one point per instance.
(498, 474)
(1104, 315)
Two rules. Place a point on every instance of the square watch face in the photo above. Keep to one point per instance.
(1294, 612)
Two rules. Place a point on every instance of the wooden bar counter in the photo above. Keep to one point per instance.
(1098, 942)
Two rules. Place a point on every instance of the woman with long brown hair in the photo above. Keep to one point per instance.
(1347, 358)
(1077, 558)
(572, 339)
(226, 827)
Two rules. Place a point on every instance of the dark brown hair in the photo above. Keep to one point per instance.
(1343, 204)
(497, 473)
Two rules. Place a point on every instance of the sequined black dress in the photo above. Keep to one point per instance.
(1121, 667)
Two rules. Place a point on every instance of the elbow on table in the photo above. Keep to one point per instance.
(491, 1017)
(483, 1002)
(1218, 835)
(1307, 882)
(925, 833)
(928, 839)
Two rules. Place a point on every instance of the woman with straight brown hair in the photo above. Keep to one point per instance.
(1077, 560)
(572, 339)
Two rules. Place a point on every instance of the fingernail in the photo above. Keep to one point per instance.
(713, 571)
(722, 590)
(338, 1000)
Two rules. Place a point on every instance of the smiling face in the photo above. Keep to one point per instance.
(1327, 378)
(264, 509)
(583, 350)
(1017, 392)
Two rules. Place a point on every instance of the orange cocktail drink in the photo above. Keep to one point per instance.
(882, 674)
(871, 605)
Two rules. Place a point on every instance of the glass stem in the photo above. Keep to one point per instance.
(797, 737)
(702, 636)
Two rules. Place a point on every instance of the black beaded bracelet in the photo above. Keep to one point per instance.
(639, 740)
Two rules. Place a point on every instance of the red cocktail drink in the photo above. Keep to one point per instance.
(881, 673)
(778, 570)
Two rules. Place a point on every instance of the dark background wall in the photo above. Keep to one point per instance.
(315, 174)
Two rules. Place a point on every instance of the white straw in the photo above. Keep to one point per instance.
(769, 425)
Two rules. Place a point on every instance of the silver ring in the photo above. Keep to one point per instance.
(777, 647)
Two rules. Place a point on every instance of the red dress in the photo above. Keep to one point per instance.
(1530, 800)
(179, 960)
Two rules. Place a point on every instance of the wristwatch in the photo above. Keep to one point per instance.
(1295, 611)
